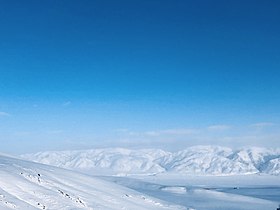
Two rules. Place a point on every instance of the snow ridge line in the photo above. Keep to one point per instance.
(213, 160)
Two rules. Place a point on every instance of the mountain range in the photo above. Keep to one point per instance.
(202, 160)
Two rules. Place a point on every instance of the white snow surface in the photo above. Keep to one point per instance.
(27, 185)
(196, 178)
(201, 160)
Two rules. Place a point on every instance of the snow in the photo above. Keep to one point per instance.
(201, 160)
(27, 185)
(174, 189)
(272, 167)
(103, 161)
(197, 178)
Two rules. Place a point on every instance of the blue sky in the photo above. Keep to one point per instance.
(170, 74)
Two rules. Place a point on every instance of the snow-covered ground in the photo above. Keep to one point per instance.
(27, 185)
(201, 178)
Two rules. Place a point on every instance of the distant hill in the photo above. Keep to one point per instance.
(202, 160)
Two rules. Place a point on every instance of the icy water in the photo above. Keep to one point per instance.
(268, 193)
(204, 193)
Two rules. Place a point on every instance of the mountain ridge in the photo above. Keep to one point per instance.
(202, 160)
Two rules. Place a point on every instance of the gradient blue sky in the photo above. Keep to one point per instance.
(169, 74)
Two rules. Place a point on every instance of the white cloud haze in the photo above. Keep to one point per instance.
(4, 114)
(262, 125)
(218, 127)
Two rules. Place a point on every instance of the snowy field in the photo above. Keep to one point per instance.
(200, 178)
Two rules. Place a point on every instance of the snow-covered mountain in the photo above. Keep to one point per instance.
(212, 160)
(104, 161)
(27, 185)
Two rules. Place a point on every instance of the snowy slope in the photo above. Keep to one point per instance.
(28, 185)
(212, 160)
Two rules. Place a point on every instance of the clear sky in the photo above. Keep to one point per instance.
(141, 73)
